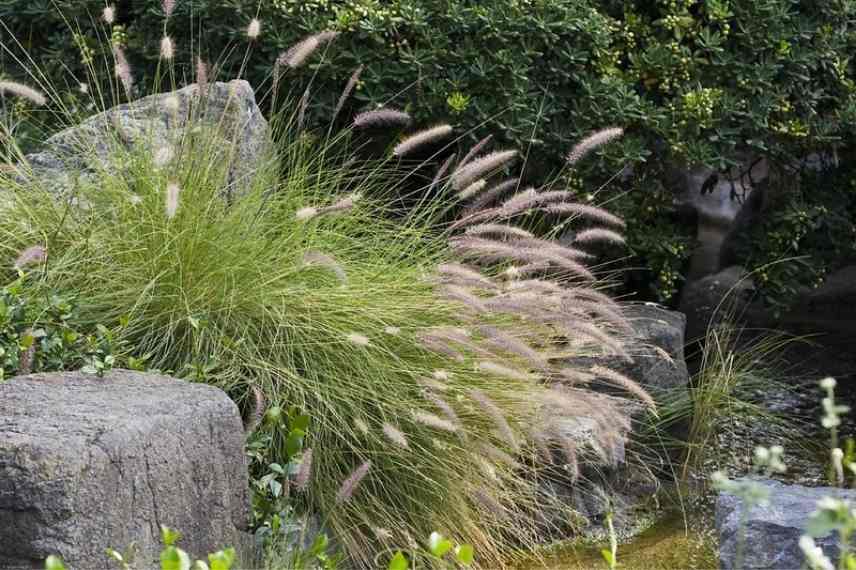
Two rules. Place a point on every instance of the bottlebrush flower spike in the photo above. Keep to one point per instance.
(301, 51)
(478, 168)
(422, 138)
(599, 234)
(346, 491)
(31, 255)
(383, 117)
(592, 142)
(172, 199)
(23, 91)
(123, 69)
(346, 92)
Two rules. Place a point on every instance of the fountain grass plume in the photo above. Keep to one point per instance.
(421, 139)
(465, 175)
(23, 91)
(379, 118)
(592, 235)
(300, 52)
(31, 255)
(477, 148)
(593, 142)
(123, 69)
(585, 211)
(350, 485)
(346, 92)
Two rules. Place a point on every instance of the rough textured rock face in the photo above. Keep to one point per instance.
(88, 463)
(657, 348)
(160, 122)
(712, 299)
(773, 531)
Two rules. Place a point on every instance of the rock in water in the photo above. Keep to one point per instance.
(237, 132)
(772, 532)
(88, 463)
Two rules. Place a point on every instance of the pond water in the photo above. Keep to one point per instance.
(671, 544)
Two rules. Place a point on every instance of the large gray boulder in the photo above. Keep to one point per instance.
(88, 463)
(235, 129)
(771, 533)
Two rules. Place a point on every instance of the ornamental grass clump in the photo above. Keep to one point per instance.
(415, 344)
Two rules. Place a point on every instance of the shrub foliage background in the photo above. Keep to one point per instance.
(694, 82)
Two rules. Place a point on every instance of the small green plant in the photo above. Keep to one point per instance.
(41, 332)
(171, 557)
(439, 552)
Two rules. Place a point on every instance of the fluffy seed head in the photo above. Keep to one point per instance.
(395, 435)
(305, 471)
(592, 142)
(472, 189)
(479, 146)
(306, 213)
(162, 156)
(301, 51)
(31, 255)
(599, 234)
(316, 258)
(434, 421)
(172, 192)
(109, 14)
(346, 92)
(258, 411)
(171, 104)
(585, 211)
(168, 7)
(478, 168)
(383, 117)
(493, 411)
(23, 91)
(497, 369)
(620, 380)
(422, 138)
(358, 339)
(346, 491)
(254, 29)
(201, 75)
(167, 49)
(123, 68)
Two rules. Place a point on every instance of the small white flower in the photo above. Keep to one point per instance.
(254, 29)
(828, 383)
(109, 14)
(83, 88)
(441, 375)
(307, 213)
(392, 330)
(134, 199)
